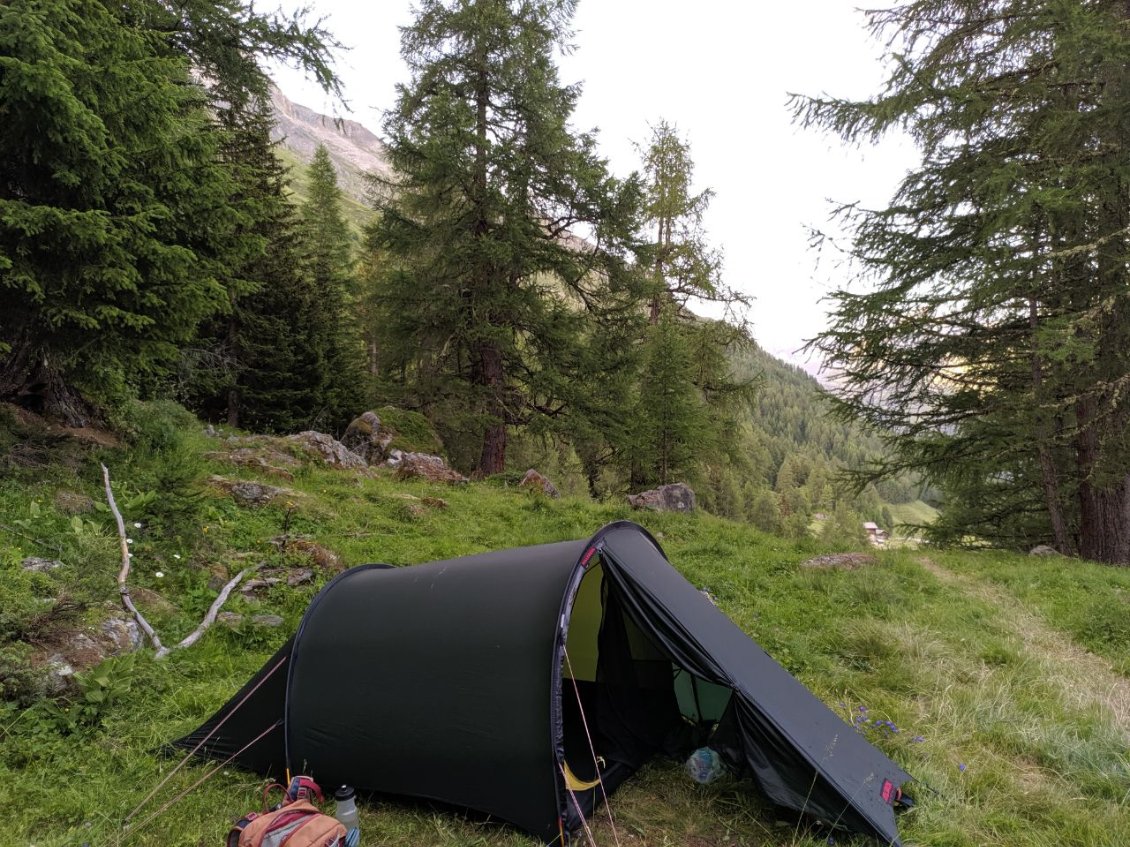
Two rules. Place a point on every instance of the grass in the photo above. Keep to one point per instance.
(994, 679)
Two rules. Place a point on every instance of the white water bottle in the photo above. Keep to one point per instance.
(346, 813)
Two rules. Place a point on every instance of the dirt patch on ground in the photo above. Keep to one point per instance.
(89, 434)
(1086, 679)
(840, 561)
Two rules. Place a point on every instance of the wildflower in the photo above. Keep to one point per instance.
(918, 739)
(161, 575)
(176, 555)
(129, 541)
(137, 525)
(961, 767)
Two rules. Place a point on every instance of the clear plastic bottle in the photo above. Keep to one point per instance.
(346, 812)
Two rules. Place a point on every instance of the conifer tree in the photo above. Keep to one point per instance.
(113, 212)
(328, 260)
(490, 289)
(106, 177)
(689, 358)
(672, 423)
(268, 341)
(682, 263)
(995, 349)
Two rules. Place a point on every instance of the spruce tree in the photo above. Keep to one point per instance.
(114, 222)
(268, 341)
(327, 249)
(106, 178)
(490, 288)
(994, 350)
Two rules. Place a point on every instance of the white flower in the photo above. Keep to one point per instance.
(129, 541)
(159, 574)
(137, 525)
(176, 555)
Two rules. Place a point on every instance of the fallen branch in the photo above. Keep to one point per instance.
(127, 601)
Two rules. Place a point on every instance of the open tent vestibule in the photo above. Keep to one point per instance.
(529, 683)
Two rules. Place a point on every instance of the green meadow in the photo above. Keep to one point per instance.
(998, 681)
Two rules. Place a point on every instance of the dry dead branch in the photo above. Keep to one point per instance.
(127, 601)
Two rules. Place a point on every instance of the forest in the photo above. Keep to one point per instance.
(539, 309)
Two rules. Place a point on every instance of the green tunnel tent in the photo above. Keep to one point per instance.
(471, 681)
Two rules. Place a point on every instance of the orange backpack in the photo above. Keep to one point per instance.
(296, 823)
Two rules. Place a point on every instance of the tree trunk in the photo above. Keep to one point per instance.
(28, 379)
(1048, 473)
(489, 372)
(233, 407)
(1104, 523)
(1104, 510)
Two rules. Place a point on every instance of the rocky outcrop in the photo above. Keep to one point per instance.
(365, 437)
(840, 561)
(425, 466)
(676, 497)
(330, 450)
(534, 481)
(277, 576)
(1043, 550)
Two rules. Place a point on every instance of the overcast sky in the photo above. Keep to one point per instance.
(721, 71)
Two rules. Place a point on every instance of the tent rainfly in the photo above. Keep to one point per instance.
(478, 681)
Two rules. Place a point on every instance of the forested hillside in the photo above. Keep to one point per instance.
(785, 416)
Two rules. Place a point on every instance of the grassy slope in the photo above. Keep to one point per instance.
(1017, 734)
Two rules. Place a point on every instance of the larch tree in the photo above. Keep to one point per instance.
(688, 396)
(682, 262)
(992, 346)
(501, 231)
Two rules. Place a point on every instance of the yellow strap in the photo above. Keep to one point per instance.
(575, 784)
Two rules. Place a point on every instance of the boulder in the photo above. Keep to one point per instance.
(58, 675)
(676, 497)
(425, 466)
(40, 565)
(535, 481)
(122, 634)
(1043, 550)
(254, 493)
(365, 437)
(330, 450)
